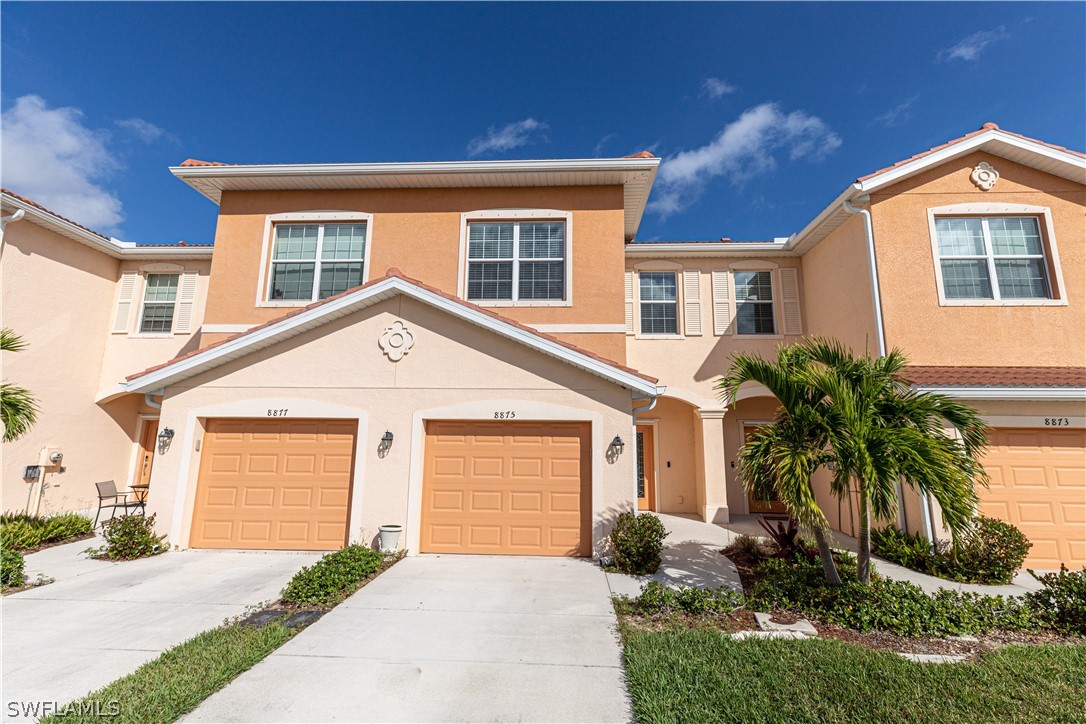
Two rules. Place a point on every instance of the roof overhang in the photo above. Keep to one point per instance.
(366, 296)
(1007, 393)
(1026, 151)
(635, 175)
(112, 247)
(687, 249)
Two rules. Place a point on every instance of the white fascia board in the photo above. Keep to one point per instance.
(1009, 393)
(679, 248)
(354, 302)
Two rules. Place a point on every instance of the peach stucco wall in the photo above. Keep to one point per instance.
(59, 295)
(985, 335)
(418, 232)
(455, 369)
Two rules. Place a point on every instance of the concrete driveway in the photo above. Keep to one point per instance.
(448, 638)
(100, 621)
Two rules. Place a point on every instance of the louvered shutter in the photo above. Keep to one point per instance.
(629, 302)
(186, 302)
(692, 303)
(793, 323)
(722, 302)
(126, 298)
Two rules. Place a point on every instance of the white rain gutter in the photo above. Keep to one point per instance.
(148, 398)
(19, 214)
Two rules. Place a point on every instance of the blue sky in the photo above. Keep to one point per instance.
(763, 112)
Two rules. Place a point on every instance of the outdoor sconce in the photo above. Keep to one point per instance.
(386, 439)
(165, 437)
(385, 444)
(617, 444)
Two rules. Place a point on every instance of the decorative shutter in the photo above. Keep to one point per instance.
(126, 294)
(793, 324)
(692, 303)
(186, 302)
(629, 302)
(722, 302)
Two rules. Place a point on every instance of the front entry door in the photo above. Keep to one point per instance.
(646, 468)
(148, 439)
(761, 505)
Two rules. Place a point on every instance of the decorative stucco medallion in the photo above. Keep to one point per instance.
(984, 176)
(396, 341)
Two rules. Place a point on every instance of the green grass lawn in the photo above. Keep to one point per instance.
(698, 675)
(166, 688)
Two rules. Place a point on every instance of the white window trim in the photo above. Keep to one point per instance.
(515, 215)
(983, 210)
(263, 280)
(141, 290)
(775, 286)
(680, 321)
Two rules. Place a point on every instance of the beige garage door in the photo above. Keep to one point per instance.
(1038, 483)
(510, 488)
(274, 484)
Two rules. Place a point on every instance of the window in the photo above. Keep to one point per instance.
(516, 261)
(1008, 249)
(754, 302)
(659, 303)
(159, 301)
(314, 261)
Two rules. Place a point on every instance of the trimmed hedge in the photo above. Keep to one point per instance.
(12, 568)
(333, 577)
(1061, 604)
(129, 537)
(637, 541)
(991, 553)
(25, 533)
(657, 598)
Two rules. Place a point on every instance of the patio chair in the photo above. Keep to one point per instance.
(108, 497)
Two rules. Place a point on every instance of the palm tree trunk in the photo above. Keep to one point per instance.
(863, 559)
(828, 566)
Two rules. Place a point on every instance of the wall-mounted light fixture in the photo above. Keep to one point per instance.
(165, 437)
(618, 444)
(387, 437)
(385, 445)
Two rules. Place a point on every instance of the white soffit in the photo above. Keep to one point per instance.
(635, 175)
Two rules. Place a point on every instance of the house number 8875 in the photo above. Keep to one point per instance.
(504, 415)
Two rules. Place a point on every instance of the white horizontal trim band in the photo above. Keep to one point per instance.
(579, 328)
(1009, 393)
(222, 328)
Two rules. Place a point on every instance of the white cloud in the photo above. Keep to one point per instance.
(514, 135)
(52, 158)
(717, 88)
(970, 47)
(143, 130)
(597, 151)
(746, 147)
(898, 114)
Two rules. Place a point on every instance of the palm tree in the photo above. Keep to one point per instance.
(18, 408)
(881, 432)
(783, 455)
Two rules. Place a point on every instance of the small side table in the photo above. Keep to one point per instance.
(139, 495)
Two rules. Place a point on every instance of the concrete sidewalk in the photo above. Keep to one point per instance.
(448, 638)
(100, 621)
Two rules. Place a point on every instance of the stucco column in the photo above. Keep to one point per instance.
(711, 478)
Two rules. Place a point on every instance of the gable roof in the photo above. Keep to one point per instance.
(634, 173)
(115, 248)
(989, 138)
(393, 283)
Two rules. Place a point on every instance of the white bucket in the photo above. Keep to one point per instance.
(390, 538)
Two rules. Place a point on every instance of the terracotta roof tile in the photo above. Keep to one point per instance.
(983, 129)
(997, 376)
(394, 272)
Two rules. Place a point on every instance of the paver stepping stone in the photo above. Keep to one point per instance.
(766, 622)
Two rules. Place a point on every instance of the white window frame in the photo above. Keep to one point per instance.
(659, 266)
(320, 218)
(1050, 254)
(515, 215)
(775, 289)
(144, 271)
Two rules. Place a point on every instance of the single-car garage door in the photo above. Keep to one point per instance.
(519, 488)
(274, 484)
(1038, 483)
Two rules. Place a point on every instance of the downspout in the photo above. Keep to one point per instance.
(642, 408)
(149, 398)
(880, 333)
(7, 220)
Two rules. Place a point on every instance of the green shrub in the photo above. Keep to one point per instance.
(131, 536)
(885, 605)
(746, 548)
(637, 540)
(657, 598)
(1062, 602)
(991, 553)
(12, 567)
(22, 532)
(332, 577)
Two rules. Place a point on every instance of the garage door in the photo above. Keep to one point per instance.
(1038, 483)
(510, 488)
(274, 484)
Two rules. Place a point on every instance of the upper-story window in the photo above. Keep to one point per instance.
(754, 302)
(995, 258)
(659, 302)
(159, 303)
(314, 261)
(516, 261)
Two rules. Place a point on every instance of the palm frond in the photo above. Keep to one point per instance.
(18, 411)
